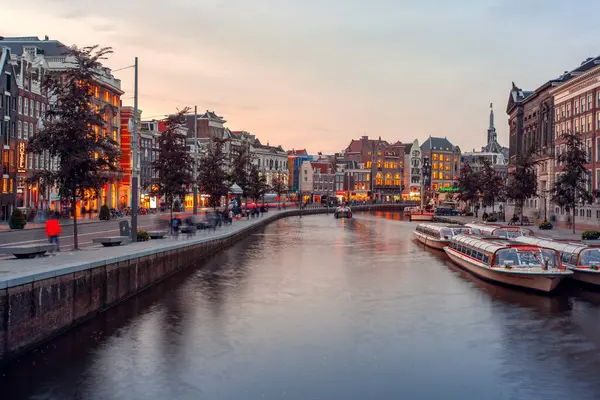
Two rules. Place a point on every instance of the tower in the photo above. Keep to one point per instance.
(491, 133)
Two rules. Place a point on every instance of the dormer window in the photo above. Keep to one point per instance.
(32, 50)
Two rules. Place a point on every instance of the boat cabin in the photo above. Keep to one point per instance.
(576, 254)
(442, 232)
(505, 254)
(501, 231)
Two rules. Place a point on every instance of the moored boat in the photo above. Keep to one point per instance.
(500, 231)
(342, 212)
(421, 215)
(508, 262)
(438, 236)
(581, 257)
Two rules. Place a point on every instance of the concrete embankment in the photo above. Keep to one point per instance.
(41, 298)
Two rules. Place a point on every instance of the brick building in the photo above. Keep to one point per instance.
(536, 121)
(8, 119)
(444, 159)
(384, 166)
(577, 109)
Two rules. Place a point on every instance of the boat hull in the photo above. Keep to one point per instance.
(540, 282)
(586, 276)
(431, 242)
(421, 217)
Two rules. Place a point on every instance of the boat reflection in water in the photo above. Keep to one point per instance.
(546, 304)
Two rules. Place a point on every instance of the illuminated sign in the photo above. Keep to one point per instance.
(22, 157)
(448, 190)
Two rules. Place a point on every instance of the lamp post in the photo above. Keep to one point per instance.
(134, 148)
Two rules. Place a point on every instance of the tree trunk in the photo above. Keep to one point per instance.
(247, 215)
(573, 222)
(74, 211)
(171, 219)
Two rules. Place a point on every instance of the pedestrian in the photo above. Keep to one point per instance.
(230, 220)
(175, 223)
(53, 231)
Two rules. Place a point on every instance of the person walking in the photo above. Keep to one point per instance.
(53, 231)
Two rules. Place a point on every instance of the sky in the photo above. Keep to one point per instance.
(316, 73)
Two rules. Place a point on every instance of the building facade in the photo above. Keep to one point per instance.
(536, 122)
(8, 120)
(444, 159)
(413, 172)
(106, 99)
(272, 162)
(384, 166)
(149, 133)
(577, 109)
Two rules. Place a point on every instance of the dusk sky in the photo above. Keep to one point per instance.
(315, 74)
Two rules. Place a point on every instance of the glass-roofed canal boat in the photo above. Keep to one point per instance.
(501, 231)
(581, 257)
(508, 262)
(438, 236)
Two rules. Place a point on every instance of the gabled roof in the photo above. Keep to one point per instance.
(322, 167)
(301, 152)
(212, 116)
(436, 143)
(51, 48)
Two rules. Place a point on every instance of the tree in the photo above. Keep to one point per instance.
(491, 186)
(257, 184)
(278, 186)
(522, 180)
(70, 133)
(174, 162)
(213, 177)
(468, 185)
(571, 186)
(240, 171)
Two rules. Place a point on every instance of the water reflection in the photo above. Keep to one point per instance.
(318, 308)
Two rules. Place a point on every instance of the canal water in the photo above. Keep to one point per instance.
(318, 308)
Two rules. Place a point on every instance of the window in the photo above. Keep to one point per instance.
(562, 128)
(576, 121)
(379, 179)
(43, 109)
(115, 101)
(31, 128)
(20, 105)
(106, 96)
(589, 123)
(568, 110)
(434, 157)
(589, 102)
(557, 113)
(575, 107)
(388, 179)
(20, 130)
(588, 150)
(582, 103)
(569, 126)
(37, 109)
(582, 124)
(26, 106)
(378, 164)
(562, 111)
(96, 91)
(397, 180)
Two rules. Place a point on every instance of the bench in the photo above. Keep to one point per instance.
(28, 250)
(157, 234)
(112, 241)
(525, 221)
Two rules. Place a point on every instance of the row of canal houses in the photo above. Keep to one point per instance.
(367, 169)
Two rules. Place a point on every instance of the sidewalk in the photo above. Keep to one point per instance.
(15, 272)
(39, 225)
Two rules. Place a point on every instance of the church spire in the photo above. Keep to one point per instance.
(491, 136)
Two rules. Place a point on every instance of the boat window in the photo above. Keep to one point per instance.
(550, 258)
(526, 232)
(511, 234)
(486, 258)
(501, 233)
(590, 257)
(566, 257)
(507, 257)
(468, 251)
(446, 233)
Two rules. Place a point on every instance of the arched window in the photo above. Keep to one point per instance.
(379, 179)
(388, 180)
(397, 180)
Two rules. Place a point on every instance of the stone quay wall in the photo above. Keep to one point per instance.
(42, 308)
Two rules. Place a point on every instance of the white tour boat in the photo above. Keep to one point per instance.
(342, 212)
(581, 257)
(438, 236)
(508, 262)
(500, 231)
